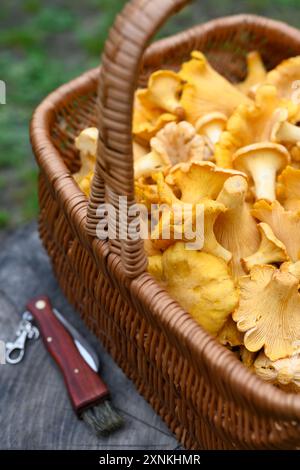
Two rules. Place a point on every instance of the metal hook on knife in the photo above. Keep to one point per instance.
(15, 350)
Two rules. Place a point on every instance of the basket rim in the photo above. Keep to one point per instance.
(242, 386)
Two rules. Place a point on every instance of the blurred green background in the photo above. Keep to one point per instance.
(44, 43)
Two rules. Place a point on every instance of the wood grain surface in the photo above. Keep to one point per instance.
(35, 411)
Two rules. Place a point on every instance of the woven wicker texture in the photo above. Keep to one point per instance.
(200, 389)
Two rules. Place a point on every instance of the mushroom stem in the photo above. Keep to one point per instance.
(236, 229)
(211, 244)
(287, 132)
(262, 161)
(264, 176)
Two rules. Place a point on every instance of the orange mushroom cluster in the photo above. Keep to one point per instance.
(227, 155)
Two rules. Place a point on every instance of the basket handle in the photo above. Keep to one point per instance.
(121, 60)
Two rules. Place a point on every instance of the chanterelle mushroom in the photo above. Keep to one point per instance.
(198, 180)
(201, 283)
(288, 188)
(285, 77)
(253, 124)
(236, 229)
(256, 72)
(86, 143)
(164, 88)
(284, 372)
(262, 161)
(271, 250)
(148, 119)
(229, 334)
(285, 225)
(173, 144)
(211, 125)
(172, 227)
(206, 91)
(269, 312)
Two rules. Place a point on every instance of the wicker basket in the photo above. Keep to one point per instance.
(204, 394)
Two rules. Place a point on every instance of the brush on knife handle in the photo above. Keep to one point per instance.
(85, 387)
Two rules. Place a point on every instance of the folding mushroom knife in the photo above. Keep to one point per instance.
(76, 359)
(26, 330)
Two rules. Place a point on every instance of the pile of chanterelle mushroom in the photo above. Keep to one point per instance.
(234, 149)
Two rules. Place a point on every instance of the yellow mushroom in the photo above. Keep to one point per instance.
(247, 357)
(292, 268)
(288, 189)
(212, 210)
(256, 73)
(155, 267)
(285, 225)
(86, 143)
(211, 125)
(286, 132)
(146, 194)
(271, 250)
(179, 143)
(229, 335)
(201, 283)
(236, 229)
(206, 91)
(269, 311)
(284, 373)
(179, 217)
(285, 77)
(85, 183)
(198, 180)
(252, 124)
(164, 89)
(148, 119)
(173, 144)
(262, 162)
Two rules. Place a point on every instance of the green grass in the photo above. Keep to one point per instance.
(4, 219)
(44, 43)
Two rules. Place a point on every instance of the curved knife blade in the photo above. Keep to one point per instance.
(85, 350)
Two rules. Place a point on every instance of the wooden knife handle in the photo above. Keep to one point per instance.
(85, 387)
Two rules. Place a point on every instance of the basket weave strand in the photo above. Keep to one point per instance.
(205, 395)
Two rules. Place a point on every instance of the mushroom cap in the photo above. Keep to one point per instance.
(285, 225)
(179, 142)
(148, 164)
(288, 188)
(283, 372)
(201, 283)
(253, 123)
(206, 91)
(164, 87)
(198, 180)
(269, 312)
(284, 76)
(256, 72)
(277, 156)
(148, 119)
(271, 250)
(86, 141)
(209, 118)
